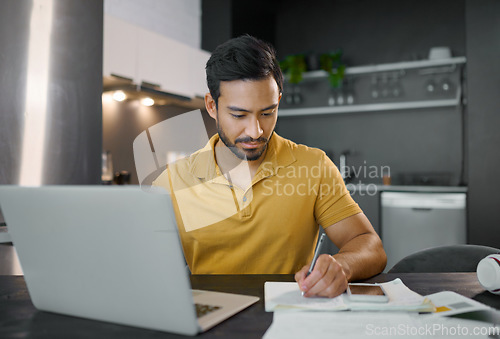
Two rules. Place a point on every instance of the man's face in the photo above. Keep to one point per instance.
(246, 115)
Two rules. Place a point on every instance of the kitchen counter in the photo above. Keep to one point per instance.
(375, 188)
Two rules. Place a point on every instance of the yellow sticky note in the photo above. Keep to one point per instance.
(442, 309)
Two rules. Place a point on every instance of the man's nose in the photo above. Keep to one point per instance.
(253, 129)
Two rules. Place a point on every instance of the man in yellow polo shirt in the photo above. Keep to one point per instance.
(250, 201)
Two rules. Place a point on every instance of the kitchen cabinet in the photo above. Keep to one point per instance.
(121, 40)
(4, 235)
(197, 62)
(164, 62)
(147, 57)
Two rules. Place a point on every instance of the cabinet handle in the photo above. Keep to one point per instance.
(422, 209)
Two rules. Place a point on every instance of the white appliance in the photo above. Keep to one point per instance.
(415, 221)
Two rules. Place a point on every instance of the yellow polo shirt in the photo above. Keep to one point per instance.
(269, 227)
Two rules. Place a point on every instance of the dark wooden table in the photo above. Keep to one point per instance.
(19, 318)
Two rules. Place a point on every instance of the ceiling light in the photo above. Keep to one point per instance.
(119, 96)
(147, 101)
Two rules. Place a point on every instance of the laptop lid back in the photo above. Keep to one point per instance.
(101, 252)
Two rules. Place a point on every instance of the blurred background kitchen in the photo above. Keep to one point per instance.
(402, 95)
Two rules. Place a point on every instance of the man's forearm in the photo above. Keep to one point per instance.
(362, 257)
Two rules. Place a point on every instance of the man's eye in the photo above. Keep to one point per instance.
(268, 114)
(237, 116)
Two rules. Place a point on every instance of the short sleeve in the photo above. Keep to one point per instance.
(334, 202)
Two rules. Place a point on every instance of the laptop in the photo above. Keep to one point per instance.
(109, 253)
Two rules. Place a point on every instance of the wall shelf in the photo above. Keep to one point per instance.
(288, 112)
(390, 67)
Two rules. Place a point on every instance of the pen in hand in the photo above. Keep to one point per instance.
(316, 254)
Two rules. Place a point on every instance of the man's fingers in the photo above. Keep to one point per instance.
(337, 286)
(327, 279)
(320, 269)
(322, 277)
(301, 275)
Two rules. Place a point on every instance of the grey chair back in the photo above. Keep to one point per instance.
(452, 258)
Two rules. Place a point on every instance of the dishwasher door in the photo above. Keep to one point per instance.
(414, 221)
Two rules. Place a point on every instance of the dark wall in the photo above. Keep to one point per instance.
(483, 77)
(216, 23)
(370, 31)
(225, 19)
(255, 17)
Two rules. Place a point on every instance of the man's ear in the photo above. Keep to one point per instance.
(279, 100)
(211, 106)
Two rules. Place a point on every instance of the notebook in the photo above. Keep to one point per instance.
(110, 253)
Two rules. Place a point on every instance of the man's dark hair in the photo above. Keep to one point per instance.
(242, 58)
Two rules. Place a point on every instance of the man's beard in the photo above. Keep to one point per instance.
(248, 155)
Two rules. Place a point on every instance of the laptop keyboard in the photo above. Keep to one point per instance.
(202, 310)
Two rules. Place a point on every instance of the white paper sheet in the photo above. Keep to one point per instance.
(449, 303)
(287, 295)
(354, 325)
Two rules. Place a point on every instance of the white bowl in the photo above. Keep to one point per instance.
(439, 53)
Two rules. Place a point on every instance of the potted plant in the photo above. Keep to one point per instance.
(332, 64)
(293, 66)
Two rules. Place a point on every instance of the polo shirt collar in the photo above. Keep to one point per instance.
(278, 155)
(203, 163)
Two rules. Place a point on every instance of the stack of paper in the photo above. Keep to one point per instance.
(282, 297)
(287, 296)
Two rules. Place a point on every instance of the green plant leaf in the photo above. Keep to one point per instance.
(332, 64)
(293, 66)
